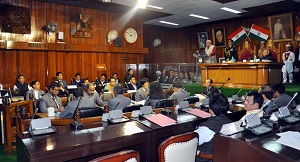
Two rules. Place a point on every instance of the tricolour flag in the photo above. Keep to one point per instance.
(259, 33)
(298, 29)
(237, 35)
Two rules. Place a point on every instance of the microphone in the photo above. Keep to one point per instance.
(238, 92)
(126, 85)
(76, 124)
(47, 90)
(295, 94)
(248, 121)
(35, 111)
(116, 105)
(165, 110)
(224, 83)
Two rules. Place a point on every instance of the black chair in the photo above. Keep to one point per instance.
(236, 116)
(164, 103)
(86, 112)
(131, 108)
(132, 96)
(192, 100)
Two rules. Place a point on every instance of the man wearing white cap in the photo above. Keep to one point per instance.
(158, 77)
(288, 58)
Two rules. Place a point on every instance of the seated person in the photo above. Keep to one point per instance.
(156, 94)
(115, 75)
(111, 85)
(209, 88)
(35, 92)
(179, 93)
(253, 103)
(77, 81)
(85, 83)
(69, 110)
(267, 56)
(268, 105)
(132, 85)
(281, 98)
(143, 92)
(102, 81)
(218, 107)
(246, 53)
(21, 86)
(63, 92)
(51, 99)
(120, 101)
(92, 95)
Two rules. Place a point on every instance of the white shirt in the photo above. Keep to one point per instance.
(15, 87)
(36, 94)
(205, 134)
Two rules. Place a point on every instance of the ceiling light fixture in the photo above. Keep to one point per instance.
(155, 7)
(169, 23)
(230, 10)
(198, 16)
(107, 1)
(141, 3)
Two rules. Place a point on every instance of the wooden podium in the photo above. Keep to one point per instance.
(242, 74)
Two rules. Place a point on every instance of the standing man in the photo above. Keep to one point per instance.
(288, 58)
(297, 64)
(129, 75)
(51, 99)
(230, 52)
(35, 92)
(210, 51)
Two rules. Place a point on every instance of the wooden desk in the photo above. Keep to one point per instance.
(255, 148)
(242, 74)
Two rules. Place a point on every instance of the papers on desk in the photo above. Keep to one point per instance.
(137, 102)
(200, 96)
(290, 138)
(161, 120)
(199, 113)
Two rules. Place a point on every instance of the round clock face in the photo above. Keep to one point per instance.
(112, 35)
(130, 35)
(200, 60)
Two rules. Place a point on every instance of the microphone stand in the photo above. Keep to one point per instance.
(165, 111)
(76, 124)
(224, 83)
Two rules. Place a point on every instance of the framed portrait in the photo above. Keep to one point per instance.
(202, 37)
(81, 26)
(219, 37)
(281, 27)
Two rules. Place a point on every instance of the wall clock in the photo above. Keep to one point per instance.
(112, 35)
(130, 35)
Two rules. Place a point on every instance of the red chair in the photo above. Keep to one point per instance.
(179, 148)
(123, 156)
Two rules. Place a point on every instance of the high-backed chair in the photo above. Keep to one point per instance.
(192, 100)
(106, 96)
(131, 108)
(246, 53)
(275, 52)
(179, 148)
(86, 112)
(124, 156)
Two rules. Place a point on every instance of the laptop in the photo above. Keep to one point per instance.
(184, 106)
(255, 126)
(146, 111)
(116, 116)
(285, 116)
(41, 126)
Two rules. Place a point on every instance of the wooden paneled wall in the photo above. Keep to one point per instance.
(43, 64)
(178, 45)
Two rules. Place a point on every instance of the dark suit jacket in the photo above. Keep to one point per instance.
(64, 84)
(297, 62)
(232, 53)
(160, 79)
(79, 84)
(212, 90)
(130, 87)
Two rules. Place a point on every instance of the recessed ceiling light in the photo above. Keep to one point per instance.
(141, 3)
(198, 16)
(230, 10)
(170, 23)
(155, 7)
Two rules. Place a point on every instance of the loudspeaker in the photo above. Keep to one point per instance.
(118, 42)
(60, 35)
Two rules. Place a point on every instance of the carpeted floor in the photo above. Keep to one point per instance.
(5, 158)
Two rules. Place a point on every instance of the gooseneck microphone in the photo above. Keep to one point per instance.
(116, 105)
(224, 83)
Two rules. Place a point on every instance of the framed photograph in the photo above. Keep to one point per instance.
(202, 37)
(219, 37)
(281, 27)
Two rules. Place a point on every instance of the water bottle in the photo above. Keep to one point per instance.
(254, 58)
(1, 87)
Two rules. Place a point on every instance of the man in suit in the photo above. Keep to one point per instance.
(69, 110)
(111, 85)
(176, 77)
(92, 95)
(218, 107)
(35, 92)
(158, 77)
(253, 103)
(143, 92)
(21, 86)
(63, 92)
(77, 80)
(132, 85)
(209, 88)
(171, 77)
(297, 64)
(281, 98)
(268, 105)
(51, 99)
(129, 75)
(120, 101)
(179, 93)
(102, 81)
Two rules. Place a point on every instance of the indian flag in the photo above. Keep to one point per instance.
(298, 29)
(237, 35)
(259, 33)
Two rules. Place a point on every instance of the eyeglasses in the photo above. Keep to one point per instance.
(56, 90)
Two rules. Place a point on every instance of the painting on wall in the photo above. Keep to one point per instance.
(202, 37)
(281, 27)
(15, 19)
(81, 26)
(219, 37)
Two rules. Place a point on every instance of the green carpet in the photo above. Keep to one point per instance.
(228, 92)
(5, 158)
